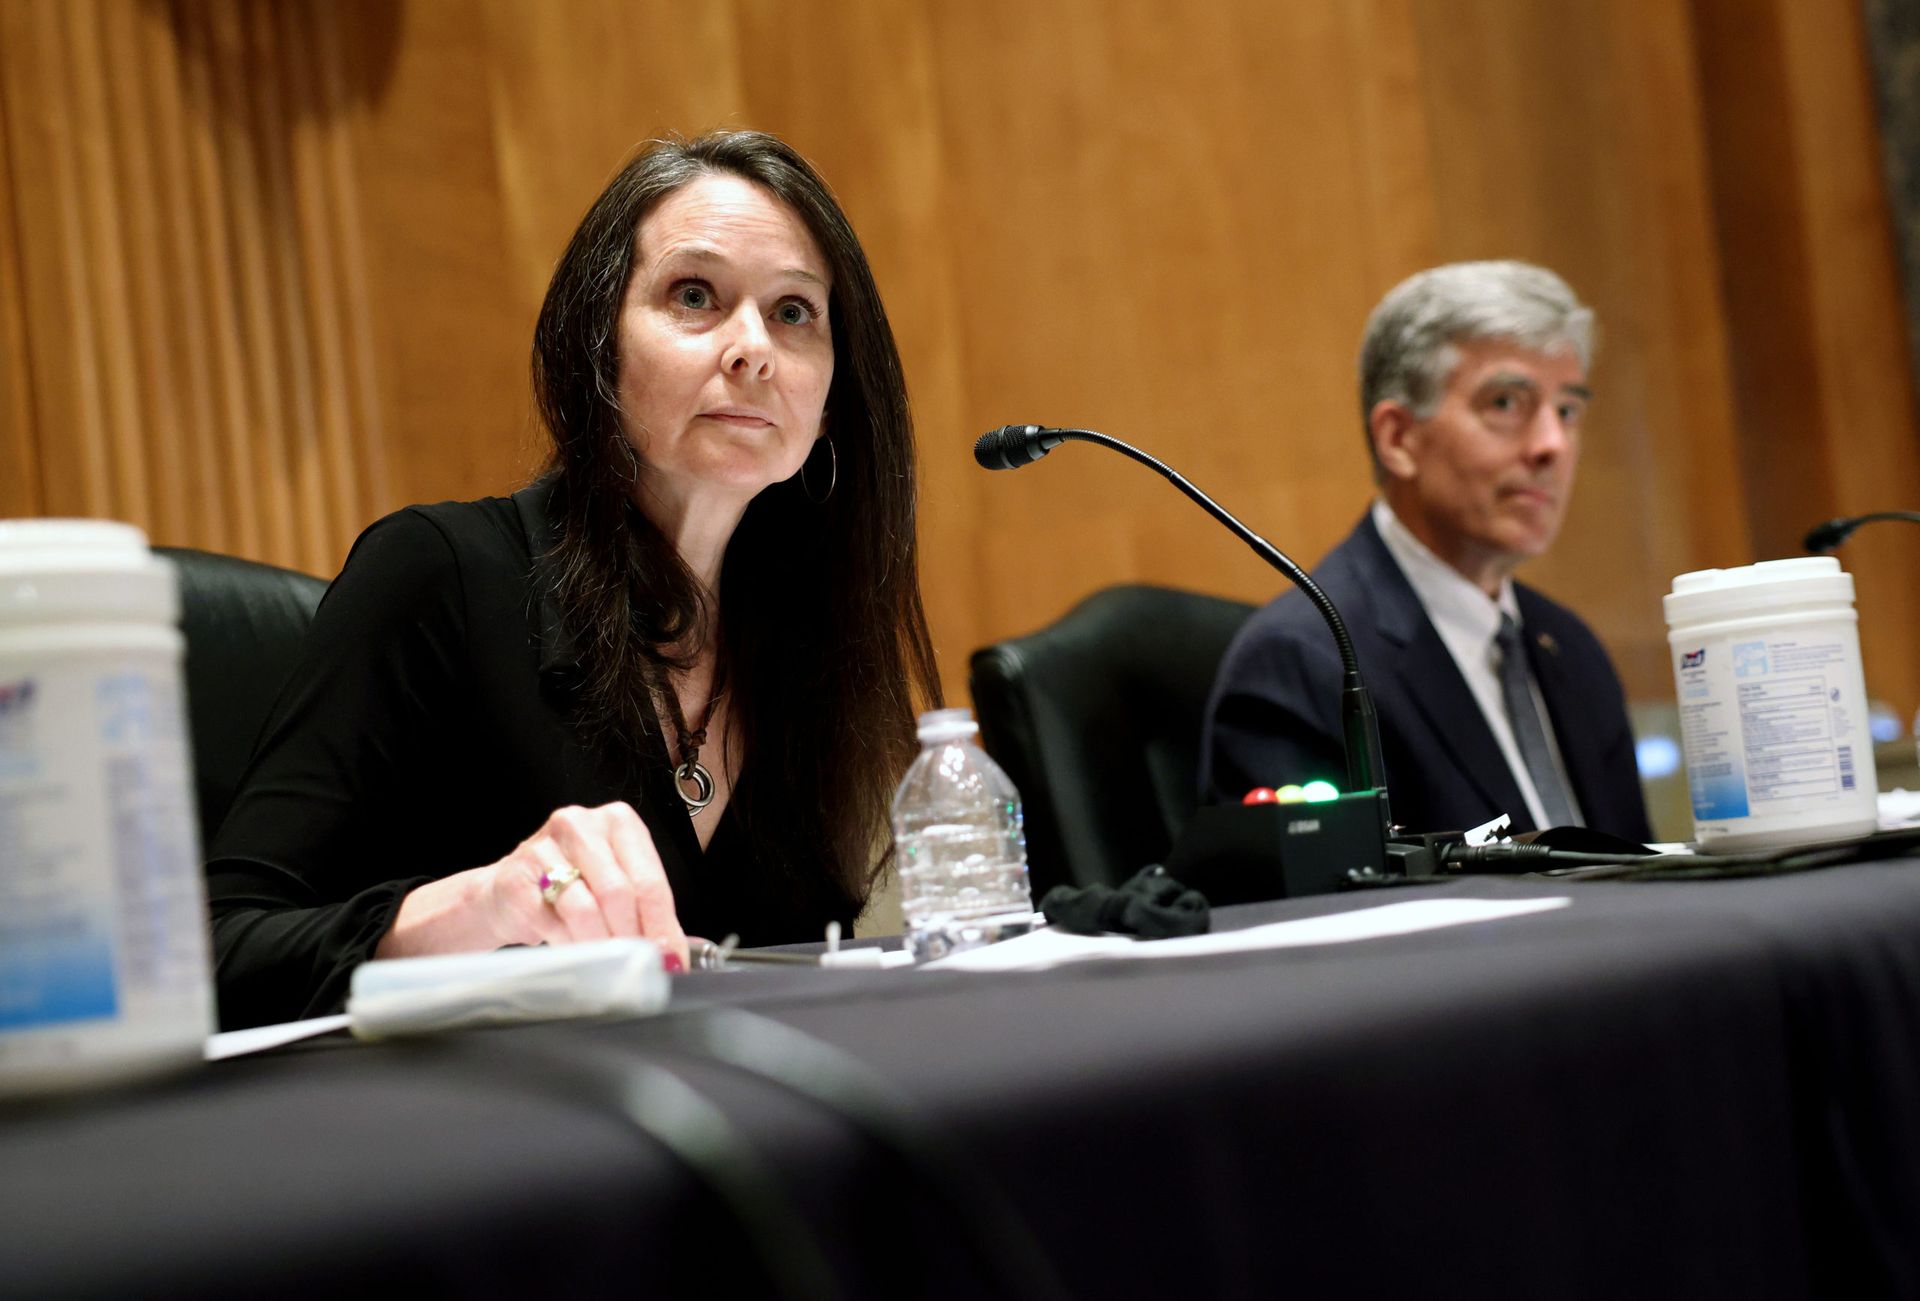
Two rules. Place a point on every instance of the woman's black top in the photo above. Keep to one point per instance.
(427, 729)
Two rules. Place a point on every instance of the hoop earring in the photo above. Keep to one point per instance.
(833, 477)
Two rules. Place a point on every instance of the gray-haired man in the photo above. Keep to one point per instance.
(1492, 699)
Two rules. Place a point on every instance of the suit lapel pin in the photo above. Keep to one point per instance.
(1546, 643)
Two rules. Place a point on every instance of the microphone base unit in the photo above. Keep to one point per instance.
(1240, 853)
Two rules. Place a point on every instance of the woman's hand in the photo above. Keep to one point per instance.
(621, 890)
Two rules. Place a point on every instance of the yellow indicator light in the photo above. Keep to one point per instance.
(1290, 795)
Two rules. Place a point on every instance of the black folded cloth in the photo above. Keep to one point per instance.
(1151, 905)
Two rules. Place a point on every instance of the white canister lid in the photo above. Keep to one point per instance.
(65, 569)
(1770, 586)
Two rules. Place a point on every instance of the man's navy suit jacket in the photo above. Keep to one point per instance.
(1274, 716)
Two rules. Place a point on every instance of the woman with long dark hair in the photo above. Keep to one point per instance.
(664, 690)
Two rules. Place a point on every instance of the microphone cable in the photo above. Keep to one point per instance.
(1458, 860)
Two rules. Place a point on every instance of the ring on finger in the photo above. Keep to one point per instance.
(556, 879)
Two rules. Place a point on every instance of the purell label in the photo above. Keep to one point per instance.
(1771, 724)
(99, 880)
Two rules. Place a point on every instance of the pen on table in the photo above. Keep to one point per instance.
(705, 955)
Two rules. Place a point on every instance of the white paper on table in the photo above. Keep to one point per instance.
(1489, 832)
(1899, 809)
(238, 1043)
(1051, 948)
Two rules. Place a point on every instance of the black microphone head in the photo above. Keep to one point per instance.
(1011, 446)
(1825, 537)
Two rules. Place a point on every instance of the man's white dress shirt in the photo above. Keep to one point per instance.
(1468, 621)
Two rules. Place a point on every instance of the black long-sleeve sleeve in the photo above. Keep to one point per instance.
(428, 728)
(316, 853)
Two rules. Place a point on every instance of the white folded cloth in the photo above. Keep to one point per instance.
(403, 996)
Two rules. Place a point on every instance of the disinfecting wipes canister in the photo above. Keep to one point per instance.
(1773, 705)
(103, 934)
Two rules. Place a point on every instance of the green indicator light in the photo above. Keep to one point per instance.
(1290, 795)
(1319, 792)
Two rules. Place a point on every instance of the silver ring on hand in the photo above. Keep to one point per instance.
(558, 879)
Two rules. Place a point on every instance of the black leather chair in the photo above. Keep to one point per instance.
(1097, 721)
(243, 622)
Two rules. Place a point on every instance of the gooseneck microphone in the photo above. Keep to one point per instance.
(1012, 446)
(1825, 537)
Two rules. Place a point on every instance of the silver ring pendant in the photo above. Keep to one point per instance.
(695, 772)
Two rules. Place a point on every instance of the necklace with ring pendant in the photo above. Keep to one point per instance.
(691, 772)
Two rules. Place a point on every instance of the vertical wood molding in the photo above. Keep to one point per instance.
(231, 419)
(188, 335)
(1395, 151)
(70, 410)
(101, 200)
(181, 213)
(1810, 291)
(19, 462)
(1761, 228)
(360, 445)
(153, 436)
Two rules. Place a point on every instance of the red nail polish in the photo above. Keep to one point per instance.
(673, 964)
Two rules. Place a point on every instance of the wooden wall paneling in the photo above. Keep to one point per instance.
(1312, 215)
(173, 316)
(1027, 229)
(1866, 432)
(148, 290)
(311, 117)
(102, 200)
(453, 352)
(1394, 145)
(1158, 227)
(55, 281)
(1766, 279)
(19, 459)
(283, 286)
(565, 116)
(1668, 338)
(262, 377)
(229, 415)
(345, 99)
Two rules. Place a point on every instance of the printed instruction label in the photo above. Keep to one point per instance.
(100, 900)
(1769, 725)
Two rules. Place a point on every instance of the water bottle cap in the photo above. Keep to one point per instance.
(937, 725)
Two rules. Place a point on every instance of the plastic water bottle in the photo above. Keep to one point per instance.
(959, 842)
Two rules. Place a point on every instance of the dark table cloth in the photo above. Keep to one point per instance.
(1701, 1089)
